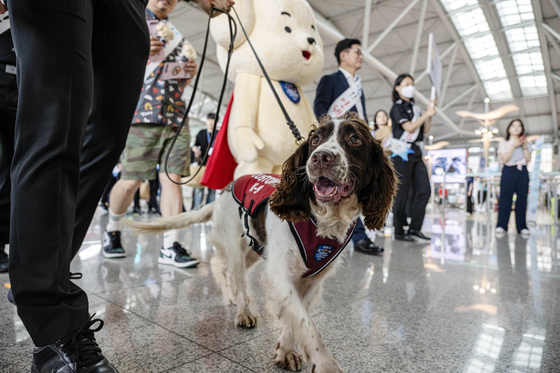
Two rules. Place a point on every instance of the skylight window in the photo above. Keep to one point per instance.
(472, 25)
(524, 44)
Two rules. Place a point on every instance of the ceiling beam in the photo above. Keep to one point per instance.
(331, 31)
(418, 37)
(547, 68)
(391, 26)
(367, 17)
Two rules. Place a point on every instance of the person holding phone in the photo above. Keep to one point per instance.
(514, 153)
(409, 126)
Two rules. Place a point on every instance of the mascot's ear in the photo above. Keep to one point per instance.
(377, 196)
(219, 26)
(290, 200)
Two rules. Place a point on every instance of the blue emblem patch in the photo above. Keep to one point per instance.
(323, 251)
(291, 91)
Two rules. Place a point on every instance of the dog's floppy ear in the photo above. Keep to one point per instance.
(219, 26)
(290, 200)
(377, 196)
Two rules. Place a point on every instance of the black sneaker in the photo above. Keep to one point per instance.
(112, 247)
(4, 261)
(78, 352)
(177, 256)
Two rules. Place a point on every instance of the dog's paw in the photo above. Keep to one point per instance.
(288, 360)
(246, 320)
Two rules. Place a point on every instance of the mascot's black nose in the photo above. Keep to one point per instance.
(311, 40)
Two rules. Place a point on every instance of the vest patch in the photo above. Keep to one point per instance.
(323, 252)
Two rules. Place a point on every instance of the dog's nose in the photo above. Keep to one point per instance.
(311, 40)
(322, 158)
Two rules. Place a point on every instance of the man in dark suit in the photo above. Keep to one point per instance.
(341, 92)
(199, 149)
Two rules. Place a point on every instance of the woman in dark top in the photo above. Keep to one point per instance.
(409, 126)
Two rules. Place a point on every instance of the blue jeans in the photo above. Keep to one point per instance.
(359, 232)
(513, 181)
(199, 194)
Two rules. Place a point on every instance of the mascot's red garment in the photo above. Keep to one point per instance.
(253, 191)
(221, 165)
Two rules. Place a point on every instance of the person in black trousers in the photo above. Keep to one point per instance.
(76, 60)
(331, 89)
(199, 151)
(8, 107)
(515, 153)
(409, 126)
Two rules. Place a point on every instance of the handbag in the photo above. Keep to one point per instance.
(195, 181)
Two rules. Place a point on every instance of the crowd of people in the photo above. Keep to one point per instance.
(106, 108)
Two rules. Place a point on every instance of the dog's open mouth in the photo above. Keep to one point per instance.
(306, 55)
(327, 190)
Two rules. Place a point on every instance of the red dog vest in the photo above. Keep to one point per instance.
(253, 191)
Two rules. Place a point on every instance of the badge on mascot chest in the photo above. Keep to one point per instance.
(291, 91)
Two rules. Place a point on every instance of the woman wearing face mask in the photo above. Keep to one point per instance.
(515, 153)
(409, 126)
(381, 125)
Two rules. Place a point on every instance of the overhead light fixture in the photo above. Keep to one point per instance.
(486, 100)
(478, 132)
(495, 130)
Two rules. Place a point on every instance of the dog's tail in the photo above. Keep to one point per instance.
(183, 220)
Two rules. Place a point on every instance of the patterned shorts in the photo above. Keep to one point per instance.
(147, 145)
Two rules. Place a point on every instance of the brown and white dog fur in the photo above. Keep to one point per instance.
(338, 174)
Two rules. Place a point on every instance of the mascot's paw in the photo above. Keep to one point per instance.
(328, 366)
(246, 319)
(248, 144)
(287, 360)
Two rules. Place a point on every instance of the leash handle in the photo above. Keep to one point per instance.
(299, 139)
(233, 34)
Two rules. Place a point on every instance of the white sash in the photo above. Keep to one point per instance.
(411, 137)
(347, 99)
(170, 47)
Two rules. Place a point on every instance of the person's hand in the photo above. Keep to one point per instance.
(3, 8)
(191, 67)
(248, 144)
(197, 152)
(431, 111)
(517, 143)
(156, 45)
(433, 102)
(469, 194)
(221, 4)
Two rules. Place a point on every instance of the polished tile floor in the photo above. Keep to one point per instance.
(467, 301)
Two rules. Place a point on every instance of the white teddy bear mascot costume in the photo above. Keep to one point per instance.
(287, 41)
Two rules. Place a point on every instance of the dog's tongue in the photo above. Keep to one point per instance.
(325, 186)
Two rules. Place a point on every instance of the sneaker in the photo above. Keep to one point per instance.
(177, 256)
(500, 230)
(78, 352)
(525, 232)
(112, 247)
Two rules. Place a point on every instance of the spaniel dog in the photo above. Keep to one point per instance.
(298, 223)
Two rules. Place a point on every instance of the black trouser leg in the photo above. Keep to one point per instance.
(8, 104)
(120, 51)
(507, 189)
(469, 205)
(421, 183)
(521, 190)
(404, 174)
(55, 98)
(154, 186)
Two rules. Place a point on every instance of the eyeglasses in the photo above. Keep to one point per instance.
(359, 51)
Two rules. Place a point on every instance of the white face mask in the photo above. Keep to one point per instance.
(408, 91)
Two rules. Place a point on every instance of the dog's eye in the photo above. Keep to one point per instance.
(315, 141)
(355, 141)
(288, 29)
(313, 27)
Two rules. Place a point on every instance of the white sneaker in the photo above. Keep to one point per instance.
(500, 230)
(177, 256)
(525, 232)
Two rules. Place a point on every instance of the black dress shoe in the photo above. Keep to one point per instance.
(4, 261)
(366, 246)
(11, 297)
(412, 232)
(78, 352)
(404, 237)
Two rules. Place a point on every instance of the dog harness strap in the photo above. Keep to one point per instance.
(317, 252)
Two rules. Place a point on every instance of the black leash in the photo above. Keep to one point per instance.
(233, 33)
